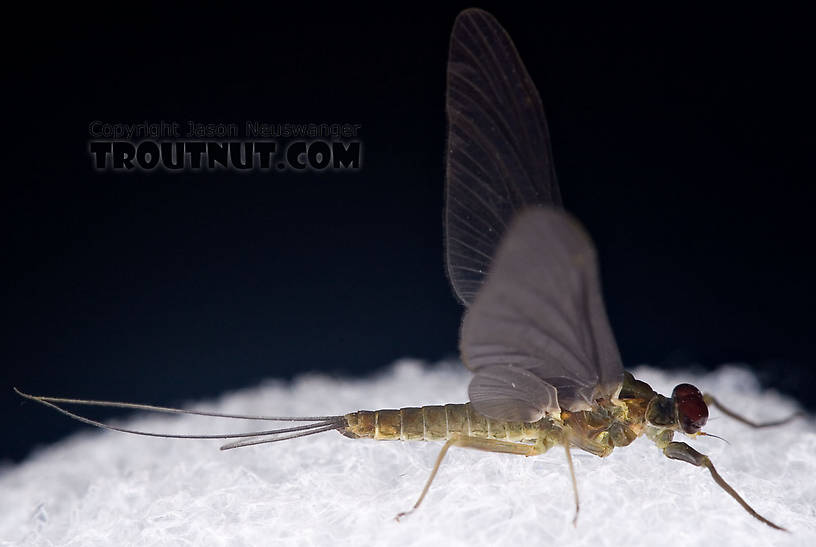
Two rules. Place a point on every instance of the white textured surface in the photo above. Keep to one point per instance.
(103, 488)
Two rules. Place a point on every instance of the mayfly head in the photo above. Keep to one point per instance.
(690, 408)
(685, 410)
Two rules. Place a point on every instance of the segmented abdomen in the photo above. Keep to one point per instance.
(434, 423)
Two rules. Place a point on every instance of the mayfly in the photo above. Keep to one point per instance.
(547, 371)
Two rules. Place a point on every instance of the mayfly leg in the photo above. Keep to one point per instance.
(574, 484)
(683, 452)
(710, 400)
(476, 443)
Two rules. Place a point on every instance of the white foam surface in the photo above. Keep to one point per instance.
(104, 488)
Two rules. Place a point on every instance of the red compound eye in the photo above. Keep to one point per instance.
(692, 412)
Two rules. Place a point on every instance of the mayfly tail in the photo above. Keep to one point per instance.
(321, 423)
(168, 410)
(312, 430)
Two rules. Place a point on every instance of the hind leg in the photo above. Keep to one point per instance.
(476, 443)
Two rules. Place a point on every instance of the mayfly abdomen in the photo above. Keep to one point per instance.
(434, 423)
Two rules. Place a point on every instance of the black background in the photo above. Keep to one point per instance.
(679, 140)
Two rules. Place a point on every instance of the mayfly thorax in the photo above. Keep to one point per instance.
(535, 334)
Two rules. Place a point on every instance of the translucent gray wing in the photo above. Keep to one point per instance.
(540, 311)
(530, 397)
(498, 153)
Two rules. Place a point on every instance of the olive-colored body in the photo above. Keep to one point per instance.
(437, 423)
(598, 431)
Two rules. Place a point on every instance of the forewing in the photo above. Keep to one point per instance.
(540, 310)
(498, 155)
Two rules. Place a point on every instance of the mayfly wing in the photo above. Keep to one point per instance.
(537, 335)
(498, 151)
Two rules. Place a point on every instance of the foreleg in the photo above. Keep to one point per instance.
(711, 401)
(683, 452)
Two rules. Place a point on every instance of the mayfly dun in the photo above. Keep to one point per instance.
(535, 334)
